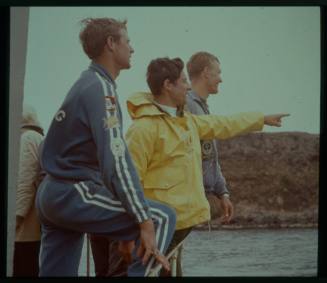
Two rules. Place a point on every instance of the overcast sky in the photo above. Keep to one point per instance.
(270, 56)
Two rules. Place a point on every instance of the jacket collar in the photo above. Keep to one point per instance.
(196, 97)
(103, 72)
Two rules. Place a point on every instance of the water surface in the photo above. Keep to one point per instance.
(255, 252)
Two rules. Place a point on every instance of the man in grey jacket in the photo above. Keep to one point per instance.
(205, 75)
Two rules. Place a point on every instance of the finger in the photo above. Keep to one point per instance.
(140, 251)
(284, 115)
(120, 247)
(223, 219)
(124, 257)
(163, 260)
(128, 258)
(131, 246)
(226, 210)
(226, 213)
(229, 217)
(146, 256)
(231, 211)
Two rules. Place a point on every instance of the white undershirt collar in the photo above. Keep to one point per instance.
(170, 110)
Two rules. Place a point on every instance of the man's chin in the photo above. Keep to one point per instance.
(126, 66)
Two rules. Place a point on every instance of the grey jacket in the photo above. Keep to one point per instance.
(213, 179)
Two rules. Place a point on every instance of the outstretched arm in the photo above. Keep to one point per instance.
(224, 127)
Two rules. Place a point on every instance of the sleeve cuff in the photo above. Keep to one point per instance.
(224, 195)
(144, 217)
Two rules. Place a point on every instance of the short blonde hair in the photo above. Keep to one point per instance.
(198, 62)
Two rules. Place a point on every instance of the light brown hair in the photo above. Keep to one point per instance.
(198, 62)
(95, 32)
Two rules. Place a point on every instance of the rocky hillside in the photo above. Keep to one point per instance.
(273, 179)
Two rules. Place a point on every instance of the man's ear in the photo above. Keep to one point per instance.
(205, 72)
(167, 84)
(110, 43)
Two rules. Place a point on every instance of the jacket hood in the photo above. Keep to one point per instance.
(141, 104)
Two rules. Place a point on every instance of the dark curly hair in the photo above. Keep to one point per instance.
(161, 69)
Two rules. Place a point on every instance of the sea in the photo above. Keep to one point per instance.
(242, 252)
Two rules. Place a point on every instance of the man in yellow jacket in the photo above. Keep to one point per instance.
(165, 146)
(164, 142)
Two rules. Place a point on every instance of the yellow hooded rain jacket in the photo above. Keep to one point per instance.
(167, 154)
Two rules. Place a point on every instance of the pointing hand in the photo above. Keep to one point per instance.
(275, 119)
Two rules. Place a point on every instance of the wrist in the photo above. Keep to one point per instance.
(224, 196)
(146, 224)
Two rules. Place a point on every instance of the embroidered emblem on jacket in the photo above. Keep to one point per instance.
(110, 104)
(207, 148)
(60, 115)
(117, 147)
(110, 122)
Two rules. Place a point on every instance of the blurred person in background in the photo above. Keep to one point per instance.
(28, 230)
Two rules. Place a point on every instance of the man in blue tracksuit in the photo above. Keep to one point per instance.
(91, 184)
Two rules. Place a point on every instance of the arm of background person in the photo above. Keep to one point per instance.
(29, 170)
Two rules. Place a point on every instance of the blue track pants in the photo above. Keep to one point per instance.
(69, 210)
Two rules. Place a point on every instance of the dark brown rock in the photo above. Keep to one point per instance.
(273, 178)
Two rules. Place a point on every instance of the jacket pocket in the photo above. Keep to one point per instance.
(164, 178)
